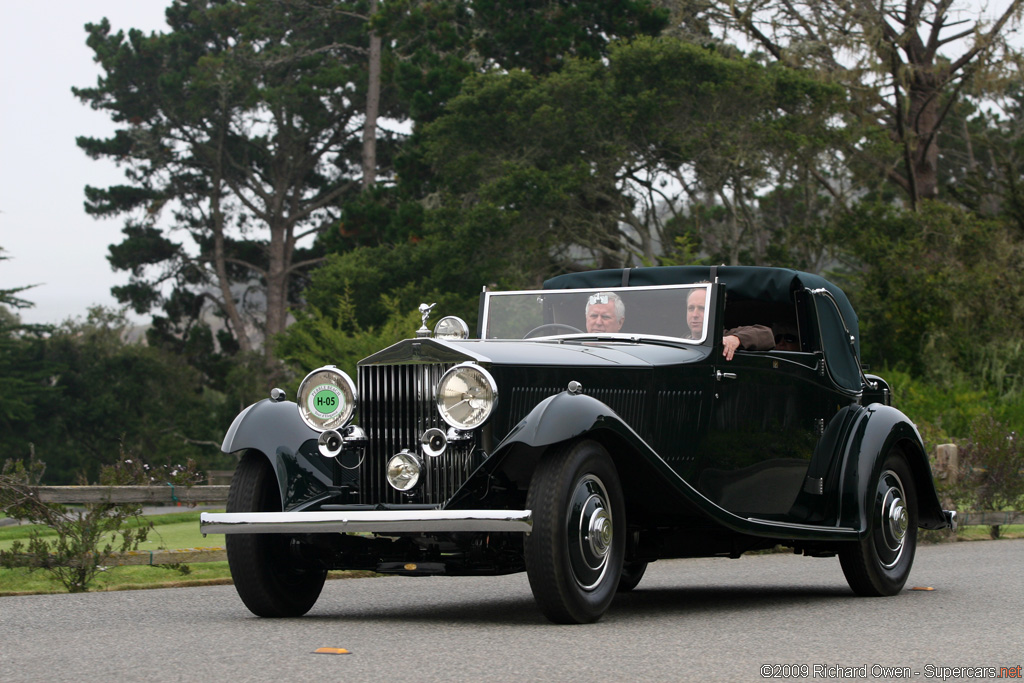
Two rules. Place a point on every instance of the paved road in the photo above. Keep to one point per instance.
(705, 619)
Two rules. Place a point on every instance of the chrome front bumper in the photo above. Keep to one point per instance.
(951, 519)
(375, 521)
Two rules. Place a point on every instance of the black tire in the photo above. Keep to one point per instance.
(632, 572)
(574, 553)
(269, 577)
(880, 564)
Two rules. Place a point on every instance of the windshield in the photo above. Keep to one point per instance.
(675, 312)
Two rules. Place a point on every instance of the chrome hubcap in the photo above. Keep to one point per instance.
(898, 520)
(590, 532)
(893, 520)
(600, 534)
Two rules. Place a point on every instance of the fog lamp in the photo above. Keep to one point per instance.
(403, 472)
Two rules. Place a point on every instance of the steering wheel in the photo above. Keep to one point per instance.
(548, 329)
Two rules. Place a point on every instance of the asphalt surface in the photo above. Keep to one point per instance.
(703, 619)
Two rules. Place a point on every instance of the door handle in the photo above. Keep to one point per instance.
(719, 375)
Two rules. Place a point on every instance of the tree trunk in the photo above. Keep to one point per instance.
(278, 261)
(923, 120)
(372, 109)
(220, 266)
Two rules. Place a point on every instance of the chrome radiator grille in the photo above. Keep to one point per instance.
(396, 405)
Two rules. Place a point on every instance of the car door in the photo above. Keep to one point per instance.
(768, 412)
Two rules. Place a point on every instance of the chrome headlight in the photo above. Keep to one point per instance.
(451, 327)
(327, 399)
(403, 471)
(466, 396)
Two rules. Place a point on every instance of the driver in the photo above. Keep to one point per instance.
(605, 312)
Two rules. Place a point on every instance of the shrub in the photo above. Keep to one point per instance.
(87, 537)
(991, 472)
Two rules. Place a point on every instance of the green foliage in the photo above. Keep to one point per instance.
(887, 56)
(570, 167)
(95, 392)
(337, 337)
(946, 411)
(9, 297)
(24, 372)
(117, 395)
(239, 132)
(85, 538)
(938, 291)
(991, 475)
(983, 158)
(438, 44)
(368, 298)
(74, 545)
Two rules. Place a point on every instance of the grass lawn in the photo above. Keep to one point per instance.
(171, 531)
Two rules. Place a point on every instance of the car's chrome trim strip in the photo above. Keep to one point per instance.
(376, 521)
(803, 527)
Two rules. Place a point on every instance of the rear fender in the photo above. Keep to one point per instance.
(878, 430)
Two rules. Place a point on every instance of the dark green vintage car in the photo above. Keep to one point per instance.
(594, 426)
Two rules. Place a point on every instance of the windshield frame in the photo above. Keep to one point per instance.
(629, 294)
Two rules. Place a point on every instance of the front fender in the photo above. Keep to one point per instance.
(556, 419)
(559, 418)
(878, 430)
(265, 426)
(275, 429)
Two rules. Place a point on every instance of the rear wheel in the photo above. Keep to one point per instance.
(574, 553)
(268, 573)
(880, 563)
(632, 572)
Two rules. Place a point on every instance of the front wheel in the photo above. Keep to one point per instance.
(880, 563)
(268, 573)
(574, 553)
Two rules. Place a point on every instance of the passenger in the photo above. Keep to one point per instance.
(749, 337)
(605, 312)
(786, 338)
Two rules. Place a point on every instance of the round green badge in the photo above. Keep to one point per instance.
(326, 401)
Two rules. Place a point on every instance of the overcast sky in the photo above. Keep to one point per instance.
(44, 231)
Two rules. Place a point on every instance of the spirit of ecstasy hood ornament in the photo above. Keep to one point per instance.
(425, 313)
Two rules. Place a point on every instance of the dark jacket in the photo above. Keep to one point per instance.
(753, 337)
